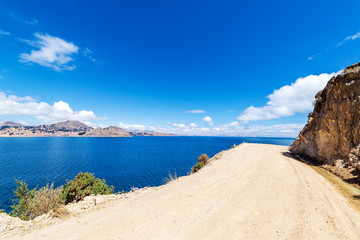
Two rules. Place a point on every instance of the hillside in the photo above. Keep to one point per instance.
(107, 132)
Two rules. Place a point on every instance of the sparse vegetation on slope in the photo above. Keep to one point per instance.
(30, 204)
(202, 161)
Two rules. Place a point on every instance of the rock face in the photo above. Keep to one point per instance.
(332, 132)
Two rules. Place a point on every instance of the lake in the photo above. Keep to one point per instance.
(122, 162)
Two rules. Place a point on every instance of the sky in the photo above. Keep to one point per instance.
(213, 68)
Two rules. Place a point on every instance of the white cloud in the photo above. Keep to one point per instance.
(89, 54)
(90, 124)
(180, 125)
(196, 111)
(193, 125)
(136, 127)
(229, 129)
(289, 100)
(53, 52)
(349, 38)
(4, 33)
(208, 120)
(59, 111)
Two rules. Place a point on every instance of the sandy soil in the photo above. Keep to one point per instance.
(252, 192)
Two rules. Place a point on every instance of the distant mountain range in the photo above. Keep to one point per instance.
(69, 129)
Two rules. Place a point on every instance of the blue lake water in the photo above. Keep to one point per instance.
(122, 162)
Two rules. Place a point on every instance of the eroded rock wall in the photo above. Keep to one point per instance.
(333, 128)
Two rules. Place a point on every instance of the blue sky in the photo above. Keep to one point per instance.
(252, 68)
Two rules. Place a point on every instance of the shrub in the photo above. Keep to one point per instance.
(197, 167)
(44, 200)
(32, 203)
(20, 207)
(203, 158)
(202, 161)
(84, 184)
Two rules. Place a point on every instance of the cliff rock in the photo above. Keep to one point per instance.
(332, 132)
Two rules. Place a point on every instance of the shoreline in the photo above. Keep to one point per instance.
(271, 185)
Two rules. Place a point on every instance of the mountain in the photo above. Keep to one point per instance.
(10, 124)
(332, 133)
(67, 129)
(68, 126)
(111, 131)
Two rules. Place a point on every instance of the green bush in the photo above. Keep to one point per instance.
(84, 184)
(197, 167)
(20, 207)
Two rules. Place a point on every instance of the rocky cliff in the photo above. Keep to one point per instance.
(333, 129)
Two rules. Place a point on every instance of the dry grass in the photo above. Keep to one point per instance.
(45, 199)
(59, 212)
(170, 178)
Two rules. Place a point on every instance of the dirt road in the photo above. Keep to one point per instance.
(252, 192)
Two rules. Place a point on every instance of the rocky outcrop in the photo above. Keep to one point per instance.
(332, 133)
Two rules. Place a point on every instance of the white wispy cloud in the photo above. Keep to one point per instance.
(4, 33)
(289, 99)
(349, 38)
(196, 111)
(229, 129)
(89, 54)
(208, 120)
(23, 20)
(313, 56)
(140, 127)
(52, 52)
(59, 111)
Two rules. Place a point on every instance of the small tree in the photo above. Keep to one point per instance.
(20, 207)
